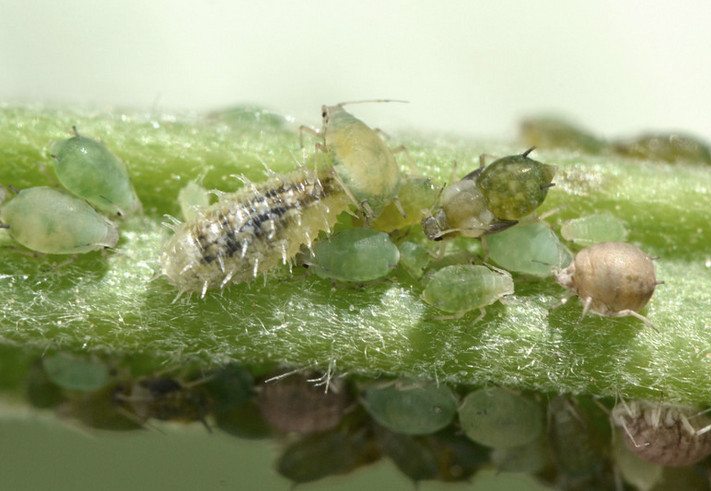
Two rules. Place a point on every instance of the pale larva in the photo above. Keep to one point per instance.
(251, 231)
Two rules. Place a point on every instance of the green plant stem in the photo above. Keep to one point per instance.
(116, 304)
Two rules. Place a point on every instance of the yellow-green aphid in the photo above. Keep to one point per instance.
(356, 254)
(592, 229)
(193, 198)
(530, 249)
(416, 194)
(552, 132)
(51, 221)
(251, 231)
(498, 418)
(361, 160)
(491, 199)
(665, 147)
(89, 170)
(460, 288)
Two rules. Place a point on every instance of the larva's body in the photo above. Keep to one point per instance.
(251, 231)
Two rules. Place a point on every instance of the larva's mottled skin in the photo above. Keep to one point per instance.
(251, 231)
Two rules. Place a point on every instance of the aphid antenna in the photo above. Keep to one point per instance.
(368, 101)
(13, 189)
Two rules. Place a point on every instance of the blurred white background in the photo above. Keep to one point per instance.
(470, 67)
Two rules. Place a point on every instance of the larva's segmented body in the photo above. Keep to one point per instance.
(251, 231)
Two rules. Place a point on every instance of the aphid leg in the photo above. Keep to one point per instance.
(624, 313)
(485, 247)
(399, 207)
(562, 301)
(482, 313)
(483, 157)
(410, 160)
(204, 289)
(364, 207)
(308, 129)
(586, 307)
(49, 176)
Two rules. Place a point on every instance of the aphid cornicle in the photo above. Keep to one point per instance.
(51, 221)
(662, 433)
(612, 279)
(491, 199)
(89, 170)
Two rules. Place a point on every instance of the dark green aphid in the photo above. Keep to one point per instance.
(89, 170)
(665, 147)
(417, 409)
(491, 199)
(551, 132)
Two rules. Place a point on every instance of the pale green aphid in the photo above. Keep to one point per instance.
(491, 199)
(51, 221)
(362, 162)
(411, 408)
(637, 472)
(356, 254)
(594, 228)
(531, 249)
(193, 198)
(665, 147)
(552, 132)
(89, 170)
(414, 258)
(80, 374)
(460, 288)
(529, 458)
(498, 418)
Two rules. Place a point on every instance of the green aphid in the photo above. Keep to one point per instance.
(491, 199)
(665, 147)
(592, 229)
(89, 170)
(416, 195)
(461, 288)
(552, 132)
(193, 198)
(414, 258)
(411, 408)
(531, 249)
(498, 418)
(362, 162)
(356, 254)
(51, 221)
(80, 374)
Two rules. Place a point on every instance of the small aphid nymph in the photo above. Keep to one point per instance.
(89, 170)
(491, 199)
(662, 433)
(612, 279)
(461, 288)
(51, 221)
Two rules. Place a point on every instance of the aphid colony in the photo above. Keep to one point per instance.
(53, 221)
(289, 219)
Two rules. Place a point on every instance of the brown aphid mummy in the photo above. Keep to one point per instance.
(611, 279)
(664, 434)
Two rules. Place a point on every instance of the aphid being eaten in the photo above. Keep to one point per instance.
(51, 221)
(89, 170)
(662, 433)
(491, 199)
(612, 279)
(362, 162)
(251, 231)
(461, 288)
(355, 254)
(255, 229)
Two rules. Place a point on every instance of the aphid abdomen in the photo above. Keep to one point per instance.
(251, 231)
